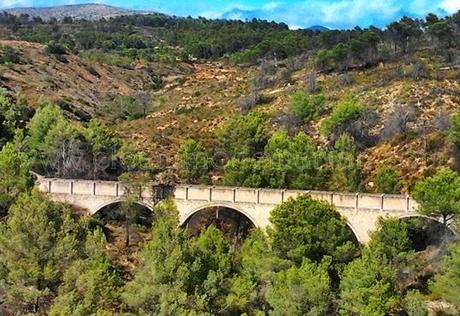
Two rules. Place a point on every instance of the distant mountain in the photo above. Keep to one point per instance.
(79, 11)
(318, 28)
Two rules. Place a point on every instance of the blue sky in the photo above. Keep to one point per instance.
(295, 13)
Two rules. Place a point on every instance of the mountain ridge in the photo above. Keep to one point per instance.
(318, 28)
(89, 11)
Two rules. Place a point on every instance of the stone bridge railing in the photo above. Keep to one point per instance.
(359, 201)
(362, 201)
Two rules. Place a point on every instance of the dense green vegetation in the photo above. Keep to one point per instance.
(166, 38)
(294, 162)
(53, 261)
(9, 55)
(342, 116)
(54, 145)
(306, 107)
(308, 264)
(194, 161)
(386, 180)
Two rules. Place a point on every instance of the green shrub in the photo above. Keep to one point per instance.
(244, 135)
(9, 55)
(386, 180)
(447, 284)
(305, 106)
(344, 113)
(454, 131)
(193, 160)
(54, 48)
(414, 305)
(344, 166)
(124, 107)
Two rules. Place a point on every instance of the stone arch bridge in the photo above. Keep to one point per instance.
(361, 210)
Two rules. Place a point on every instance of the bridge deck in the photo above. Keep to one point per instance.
(359, 201)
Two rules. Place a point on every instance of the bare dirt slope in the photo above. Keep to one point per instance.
(198, 104)
(83, 85)
(193, 105)
(196, 99)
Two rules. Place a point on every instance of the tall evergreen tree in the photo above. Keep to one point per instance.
(14, 176)
(255, 264)
(38, 242)
(194, 161)
(303, 290)
(439, 195)
(367, 287)
(307, 228)
(160, 283)
(447, 284)
(90, 284)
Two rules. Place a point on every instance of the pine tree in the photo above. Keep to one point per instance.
(194, 161)
(367, 287)
(439, 195)
(255, 264)
(211, 267)
(90, 283)
(303, 290)
(307, 228)
(14, 176)
(447, 284)
(161, 281)
(38, 242)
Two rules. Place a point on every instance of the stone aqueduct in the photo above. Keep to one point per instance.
(359, 209)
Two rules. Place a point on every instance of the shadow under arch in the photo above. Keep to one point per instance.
(110, 211)
(235, 224)
(425, 231)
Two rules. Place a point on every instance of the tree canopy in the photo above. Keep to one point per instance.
(194, 161)
(439, 195)
(38, 242)
(306, 228)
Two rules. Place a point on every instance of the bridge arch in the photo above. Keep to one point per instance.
(112, 212)
(357, 237)
(430, 218)
(117, 201)
(408, 216)
(234, 223)
(233, 207)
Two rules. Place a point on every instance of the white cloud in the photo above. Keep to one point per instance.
(15, 3)
(348, 13)
(352, 12)
(211, 14)
(271, 6)
(451, 6)
(334, 13)
(295, 27)
(330, 13)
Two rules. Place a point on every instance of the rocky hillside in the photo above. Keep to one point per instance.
(197, 105)
(414, 97)
(90, 11)
(78, 84)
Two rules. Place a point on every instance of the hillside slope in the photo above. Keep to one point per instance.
(199, 105)
(81, 84)
(196, 99)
